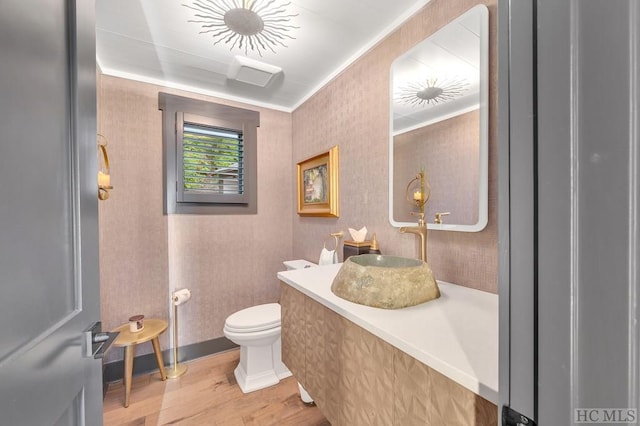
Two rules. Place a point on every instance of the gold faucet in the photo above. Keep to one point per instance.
(419, 199)
(421, 231)
(438, 219)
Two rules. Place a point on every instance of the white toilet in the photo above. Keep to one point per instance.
(257, 331)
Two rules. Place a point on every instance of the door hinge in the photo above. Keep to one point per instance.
(511, 417)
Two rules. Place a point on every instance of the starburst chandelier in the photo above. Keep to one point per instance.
(257, 25)
(431, 91)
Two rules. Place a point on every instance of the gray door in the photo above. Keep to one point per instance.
(570, 197)
(48, 213)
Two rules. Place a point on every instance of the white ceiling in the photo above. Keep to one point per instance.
(456, 52)
(152, 41)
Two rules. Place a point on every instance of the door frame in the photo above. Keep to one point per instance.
(517, 221)
(569, 209)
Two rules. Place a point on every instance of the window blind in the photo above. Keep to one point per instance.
(213, 160)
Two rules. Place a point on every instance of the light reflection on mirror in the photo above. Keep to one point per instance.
(439, 92)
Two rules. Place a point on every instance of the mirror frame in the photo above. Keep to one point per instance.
(483, 176)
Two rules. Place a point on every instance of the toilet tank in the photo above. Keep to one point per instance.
(298, 264)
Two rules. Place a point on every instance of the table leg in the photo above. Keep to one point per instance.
(158, 352)
(128, 373)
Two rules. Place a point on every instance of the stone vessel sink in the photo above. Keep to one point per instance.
(382, 281)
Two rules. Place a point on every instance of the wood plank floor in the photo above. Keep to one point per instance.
(207, 394)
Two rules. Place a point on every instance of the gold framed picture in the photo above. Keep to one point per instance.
(318, 185)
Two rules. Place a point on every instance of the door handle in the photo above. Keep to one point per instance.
(97, 342)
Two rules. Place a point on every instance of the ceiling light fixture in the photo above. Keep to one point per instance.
(255, 25)
(432, 92)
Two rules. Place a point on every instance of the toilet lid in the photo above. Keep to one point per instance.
(255, 318)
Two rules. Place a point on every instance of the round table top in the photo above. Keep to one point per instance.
(152, 328)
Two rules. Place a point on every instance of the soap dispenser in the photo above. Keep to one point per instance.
(374, 249)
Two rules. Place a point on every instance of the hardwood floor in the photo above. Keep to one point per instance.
(207, 394)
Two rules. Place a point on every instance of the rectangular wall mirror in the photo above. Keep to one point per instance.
(439, 124)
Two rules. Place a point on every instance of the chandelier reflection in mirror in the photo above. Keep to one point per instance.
(432, 91)
(257, 25)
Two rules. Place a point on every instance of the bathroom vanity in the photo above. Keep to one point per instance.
(429, 364)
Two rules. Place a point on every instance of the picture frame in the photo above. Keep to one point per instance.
(318, 185)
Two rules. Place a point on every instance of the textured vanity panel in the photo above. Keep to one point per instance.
(333, 364)
(367, 380)
(356, 378)
(293, 330)
(424, 396)
(324, 334)
(452, 404)
(315, 356)
(410, 387)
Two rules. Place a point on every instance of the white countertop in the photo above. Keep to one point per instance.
(456, 335)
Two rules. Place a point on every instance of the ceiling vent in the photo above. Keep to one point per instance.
(251, 71)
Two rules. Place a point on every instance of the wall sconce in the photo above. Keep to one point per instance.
(104, 178)
(417, 194)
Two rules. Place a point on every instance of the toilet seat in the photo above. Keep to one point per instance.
(255, 318)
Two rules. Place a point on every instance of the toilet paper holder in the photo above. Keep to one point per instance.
(178, 297)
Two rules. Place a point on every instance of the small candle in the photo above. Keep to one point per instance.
(103, 179)
(417, 196)
(136, 323)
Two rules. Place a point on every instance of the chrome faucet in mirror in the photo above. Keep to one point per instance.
(439, 124)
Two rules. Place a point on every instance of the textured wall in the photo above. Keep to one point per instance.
(229, 262)
(451, 168)
(352, 111)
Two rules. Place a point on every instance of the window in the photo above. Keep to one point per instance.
(209, 157)
(212, 166)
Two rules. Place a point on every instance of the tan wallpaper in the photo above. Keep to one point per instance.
(451, 169)
(228, 262)
(352, 111)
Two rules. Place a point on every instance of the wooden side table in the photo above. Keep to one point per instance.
(152, 329)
